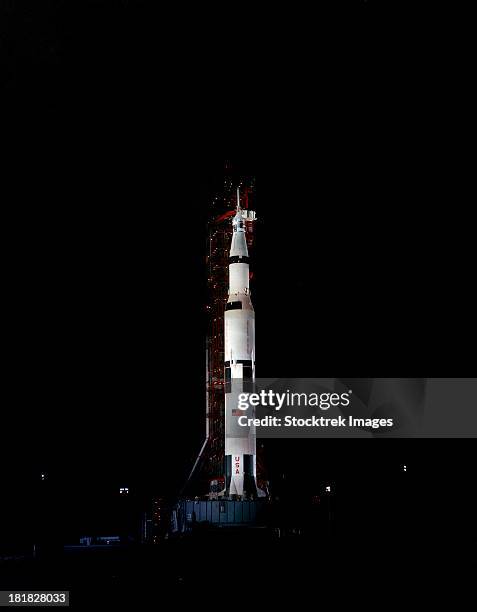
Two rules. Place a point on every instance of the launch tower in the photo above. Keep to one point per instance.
(207, 477)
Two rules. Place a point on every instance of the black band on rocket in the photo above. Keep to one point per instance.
(245, 362)
(239, 259)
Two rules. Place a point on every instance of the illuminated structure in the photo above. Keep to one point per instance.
(239, 326)
(207, 477)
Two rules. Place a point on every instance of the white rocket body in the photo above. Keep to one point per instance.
(239, 357)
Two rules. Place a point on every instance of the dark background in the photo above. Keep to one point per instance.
(118, 118)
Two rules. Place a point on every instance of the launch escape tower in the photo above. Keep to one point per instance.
(207, 475)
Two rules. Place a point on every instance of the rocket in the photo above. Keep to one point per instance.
(239, 357)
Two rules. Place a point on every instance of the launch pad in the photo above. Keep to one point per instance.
(220, 513)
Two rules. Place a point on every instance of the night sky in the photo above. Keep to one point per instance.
(121, 117)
